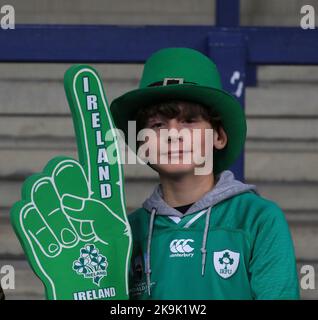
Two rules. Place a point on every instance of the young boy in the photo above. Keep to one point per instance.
(201, 236)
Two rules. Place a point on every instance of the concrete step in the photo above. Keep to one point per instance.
(287, 128)
(114, 12)
(282, 99)
(112, 6)
(100, 18)
(296, 196)
(277, 13)
(44, 97)
(290, 166)
(54, 72)
(287, 74)
(271, 13)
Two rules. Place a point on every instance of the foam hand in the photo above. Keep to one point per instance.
(71, 220)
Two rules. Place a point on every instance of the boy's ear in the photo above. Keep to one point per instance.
(219, 138)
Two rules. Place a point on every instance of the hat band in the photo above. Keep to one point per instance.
(168, 81)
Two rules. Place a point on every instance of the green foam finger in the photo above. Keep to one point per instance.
(100, 157)
(69, 179)
(39, 233)
(75, 210)
(47, 202)
(73, 203)
(26, 190)
(70, 182)
(38, 243)
(35, 237)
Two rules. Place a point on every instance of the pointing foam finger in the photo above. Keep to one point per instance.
(96, 136)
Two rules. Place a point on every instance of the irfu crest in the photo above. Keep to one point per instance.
(226, 263)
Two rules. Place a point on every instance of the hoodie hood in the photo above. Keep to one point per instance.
(226, 187)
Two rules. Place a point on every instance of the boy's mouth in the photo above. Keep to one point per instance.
(176, 154)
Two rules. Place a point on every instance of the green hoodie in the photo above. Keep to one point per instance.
(231, 244)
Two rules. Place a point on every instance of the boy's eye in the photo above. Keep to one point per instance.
(156, 125)
(189, 120)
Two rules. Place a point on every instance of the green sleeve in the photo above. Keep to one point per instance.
(273, 271)
(135, 251)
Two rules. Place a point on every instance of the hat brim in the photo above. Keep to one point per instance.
(125, 107)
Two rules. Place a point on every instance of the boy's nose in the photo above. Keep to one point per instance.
(174, 127)
(174, 124)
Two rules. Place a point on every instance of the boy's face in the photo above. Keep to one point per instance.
(181, 145)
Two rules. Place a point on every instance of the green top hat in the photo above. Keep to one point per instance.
(185, 74)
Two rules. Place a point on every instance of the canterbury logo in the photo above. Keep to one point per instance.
(181, 248)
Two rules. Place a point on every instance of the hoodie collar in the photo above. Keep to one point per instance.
(227, 186)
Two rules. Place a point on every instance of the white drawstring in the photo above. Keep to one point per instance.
(205, 235)
(148, 270)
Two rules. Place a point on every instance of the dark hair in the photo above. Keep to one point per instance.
(178, 109)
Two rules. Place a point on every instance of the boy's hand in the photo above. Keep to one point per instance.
(71, 220)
